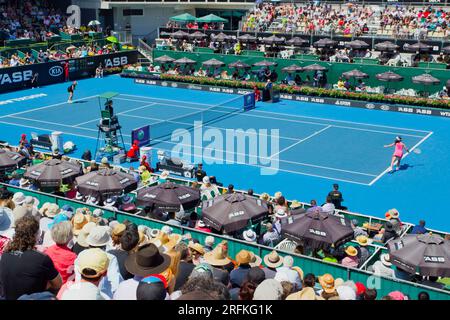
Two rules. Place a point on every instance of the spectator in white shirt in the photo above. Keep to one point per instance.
(328, 207)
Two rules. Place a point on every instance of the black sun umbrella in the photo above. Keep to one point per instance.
(265, 63)
(446, 49)
(164, 59)
(220, 37)
(297, 41)
(315, 67)
(355, 74)
(180, 34)
(105, 183)
(386, 46)
(273, 40)
(169, 197)
(426, 79)
(233, 212)
(184, 61)
(52, 173)
(417, 47)
(325, 43)
(247, 38)
(426, 254)
(10, 160)
(389, 76)
(197, 35)
(318, 229)
(357, 44)
(238, 65)
(213, 63)
(292, 68)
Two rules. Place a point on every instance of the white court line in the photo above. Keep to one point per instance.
(300, 141)
(120, 113)
(246, 114)
(283, 170)
(46, 107)
(292, 115)
(265, 158)
(234, 153)
(410, 150)
(45, 129)
(212, 127)
(49, 122)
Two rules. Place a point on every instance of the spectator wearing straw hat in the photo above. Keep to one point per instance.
(93, 265)
(81, 237)
(197, 252)
(307, 292)
(328, 287)
(237, 276)
(63, 258)
(218, 260)
(272, 261)
(383, 267)
(351, 260)
(363, 252)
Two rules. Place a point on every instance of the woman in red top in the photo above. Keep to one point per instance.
(257, 93)
(63, 258)
(145, 163)
(133, 153)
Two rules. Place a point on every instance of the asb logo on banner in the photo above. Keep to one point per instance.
(116, 62)
(55, 71)
(15, 77)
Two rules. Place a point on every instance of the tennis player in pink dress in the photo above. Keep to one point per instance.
(399, 148)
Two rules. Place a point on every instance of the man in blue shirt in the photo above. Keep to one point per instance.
(420, 228)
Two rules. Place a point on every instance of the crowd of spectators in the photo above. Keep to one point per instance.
(31, 19)
(49, 252)
(348, 19)
(195, 26)
(78, 254)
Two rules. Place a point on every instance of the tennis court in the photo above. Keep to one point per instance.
(315, 146)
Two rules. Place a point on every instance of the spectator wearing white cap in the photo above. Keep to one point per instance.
(93, 265)
(288, 273)
(207, 189)
(271, 236)
(249, 236)
(99, 237)
(209, 243)
(269, 289)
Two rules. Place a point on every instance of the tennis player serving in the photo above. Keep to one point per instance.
(399, 148)
(70, 90)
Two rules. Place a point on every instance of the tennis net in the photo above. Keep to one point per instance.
(163, 130)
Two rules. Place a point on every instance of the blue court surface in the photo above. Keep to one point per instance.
(307, 146)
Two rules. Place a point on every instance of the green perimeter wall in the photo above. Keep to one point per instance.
(308, 264)
(335, 69)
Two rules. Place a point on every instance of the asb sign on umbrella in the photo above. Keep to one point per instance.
(426, 254)
(169, 197)
(318, 229)
(52, 173)
(233, 212)
(105, 183)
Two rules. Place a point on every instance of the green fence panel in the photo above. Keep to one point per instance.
(335, 69)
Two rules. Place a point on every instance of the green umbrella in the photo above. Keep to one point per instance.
(184, 17)
(112, 39)
(211, 18)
